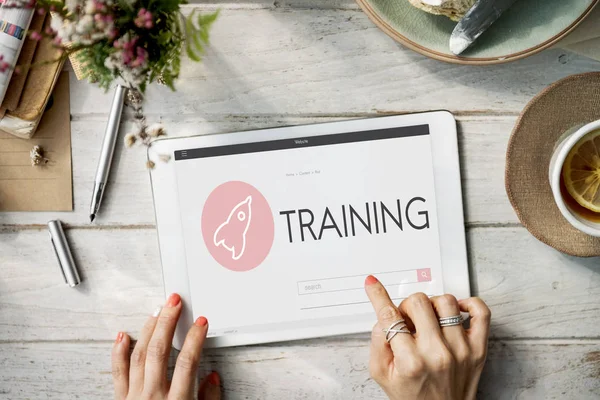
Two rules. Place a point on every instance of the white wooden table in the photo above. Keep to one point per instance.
(281, 63)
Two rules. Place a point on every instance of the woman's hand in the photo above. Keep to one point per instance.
(144, 374)
(434, 362)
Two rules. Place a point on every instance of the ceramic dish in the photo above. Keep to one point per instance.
(528, 27)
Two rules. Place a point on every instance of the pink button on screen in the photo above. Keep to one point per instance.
(424, 275)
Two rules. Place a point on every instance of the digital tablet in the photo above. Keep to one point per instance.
(271, 233)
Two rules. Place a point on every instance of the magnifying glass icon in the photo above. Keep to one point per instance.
(424, 275)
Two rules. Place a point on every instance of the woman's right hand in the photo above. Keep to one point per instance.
(434, 362)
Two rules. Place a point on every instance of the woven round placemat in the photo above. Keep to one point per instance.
(572, 101)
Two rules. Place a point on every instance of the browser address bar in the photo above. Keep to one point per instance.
(344, 283)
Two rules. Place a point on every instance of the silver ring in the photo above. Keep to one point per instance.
(451, 321)
(394, 331)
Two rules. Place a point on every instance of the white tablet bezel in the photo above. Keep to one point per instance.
(444, 147)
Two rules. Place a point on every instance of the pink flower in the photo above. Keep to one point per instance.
(130, 53)
(144, 19)
(35, 36)
(130, 44)
(103, 18)
(99, 6)
(141, 57)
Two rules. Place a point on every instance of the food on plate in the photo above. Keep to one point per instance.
(453, 9)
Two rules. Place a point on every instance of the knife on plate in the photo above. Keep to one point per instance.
(480, 17)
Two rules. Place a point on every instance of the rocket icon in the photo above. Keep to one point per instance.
(231, 234)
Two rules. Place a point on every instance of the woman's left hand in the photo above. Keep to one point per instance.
(144, 374)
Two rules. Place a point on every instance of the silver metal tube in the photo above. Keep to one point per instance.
(63, 253)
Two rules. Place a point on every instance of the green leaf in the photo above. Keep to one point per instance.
(208, 19)
(197, 36)
(191, 54)
(197, 42)
(204, 35)
(189, 25)
(169, 81)
(124, 5)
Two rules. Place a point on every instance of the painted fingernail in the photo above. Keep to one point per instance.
(173, 300)
(370, 280)
(214, 379)
(157, 311)
(201, 321)
(119, 337)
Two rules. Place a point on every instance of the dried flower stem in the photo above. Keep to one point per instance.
(36, 155)
(143, 134)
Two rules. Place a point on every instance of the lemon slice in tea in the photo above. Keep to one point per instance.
(581, 171)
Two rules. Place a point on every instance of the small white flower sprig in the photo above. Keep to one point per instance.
(144, 134)
(36, 156)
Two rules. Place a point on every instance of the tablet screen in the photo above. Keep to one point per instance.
(285, 231)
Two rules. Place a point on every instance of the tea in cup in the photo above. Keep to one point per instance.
(575, 177)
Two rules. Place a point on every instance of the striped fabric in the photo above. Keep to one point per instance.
(11, 29)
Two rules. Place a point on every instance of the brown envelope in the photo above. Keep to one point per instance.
(47, 187)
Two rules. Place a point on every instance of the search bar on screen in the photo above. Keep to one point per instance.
(346, 283)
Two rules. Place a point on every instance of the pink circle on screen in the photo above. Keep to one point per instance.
(237, 226)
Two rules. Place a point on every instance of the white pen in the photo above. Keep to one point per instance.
(108, 148)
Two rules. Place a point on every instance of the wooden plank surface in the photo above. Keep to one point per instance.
(328, 370)
(534, 291)
(128, 199)
(289, 62)
(309, 83)
(333, 62)
(272, 4)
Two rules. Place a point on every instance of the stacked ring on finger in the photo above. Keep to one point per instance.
(394, 330)
(451, 321)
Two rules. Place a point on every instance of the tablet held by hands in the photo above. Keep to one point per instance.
(271, 233)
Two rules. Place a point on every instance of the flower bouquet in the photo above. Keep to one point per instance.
(130, 42)
(138, 41)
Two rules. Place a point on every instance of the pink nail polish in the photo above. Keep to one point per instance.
(214, 379)
(119, 337)
(201, 321)
(173, 300)
(370, 280)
